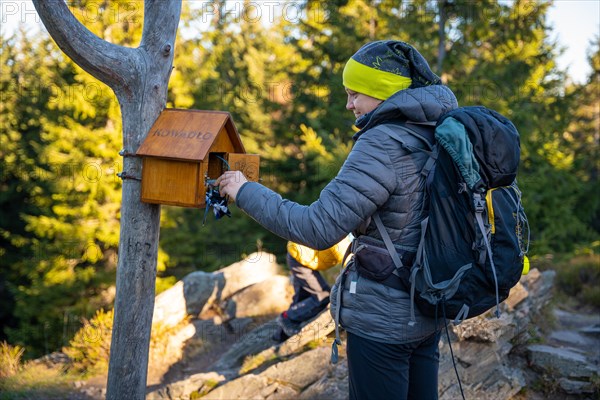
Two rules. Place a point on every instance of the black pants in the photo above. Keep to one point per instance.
(381, 371)
(311, 292)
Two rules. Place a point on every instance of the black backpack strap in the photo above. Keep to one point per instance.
(392, 131)
(398, 263)
(430, 148)
(388, 242)
(479, 205)
(336, 317)
(417, 129)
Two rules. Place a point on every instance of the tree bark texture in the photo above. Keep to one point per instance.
(443, 16)
(139, 78)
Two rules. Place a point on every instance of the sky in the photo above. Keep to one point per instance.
(575, 22)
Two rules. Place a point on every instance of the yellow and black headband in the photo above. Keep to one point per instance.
(380, 69)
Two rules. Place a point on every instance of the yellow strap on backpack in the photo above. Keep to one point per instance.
(525, 265)
(490, 207)
(318, 260)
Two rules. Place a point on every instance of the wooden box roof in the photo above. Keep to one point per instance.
(188, 134)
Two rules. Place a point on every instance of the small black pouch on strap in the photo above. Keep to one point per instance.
(373, 260)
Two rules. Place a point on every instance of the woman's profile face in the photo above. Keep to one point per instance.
(360, 104)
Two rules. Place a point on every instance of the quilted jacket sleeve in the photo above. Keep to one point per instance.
(363, 184)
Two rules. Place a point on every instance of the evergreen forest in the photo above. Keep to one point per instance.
(278, 71)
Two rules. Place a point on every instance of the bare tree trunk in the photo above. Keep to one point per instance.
(372, 20)
(442, 4)
(139, 78)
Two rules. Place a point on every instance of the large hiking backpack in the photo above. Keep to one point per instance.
(473, 241)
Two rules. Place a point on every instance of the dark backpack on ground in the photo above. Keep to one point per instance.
(473, 246)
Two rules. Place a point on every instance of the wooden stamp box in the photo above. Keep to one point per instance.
(186, 148)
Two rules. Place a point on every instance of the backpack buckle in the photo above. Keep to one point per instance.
(478, 203)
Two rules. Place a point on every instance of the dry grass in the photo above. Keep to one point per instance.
(10, 359)
(30, 380)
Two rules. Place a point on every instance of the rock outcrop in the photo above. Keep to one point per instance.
(199, 290)
(228, 351)
(260, 346)
(212, 309)
(219, 326)
(483, 345)
(494, 357)
(571, 355)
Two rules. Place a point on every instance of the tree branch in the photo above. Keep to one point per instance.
(110, 63)
(160, 20)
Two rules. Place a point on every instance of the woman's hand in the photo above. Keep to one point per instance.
(230, 183)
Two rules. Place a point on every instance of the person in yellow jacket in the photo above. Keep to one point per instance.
(311, 291)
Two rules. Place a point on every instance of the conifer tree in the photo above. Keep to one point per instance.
(282, 84)
(139, 79)
(61, 202)
(237, 65)
(490, 53)
(580, 146)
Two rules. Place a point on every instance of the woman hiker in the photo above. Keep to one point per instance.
(388, 85)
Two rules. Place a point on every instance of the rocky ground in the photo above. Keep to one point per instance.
(225, 351)
(566, 365)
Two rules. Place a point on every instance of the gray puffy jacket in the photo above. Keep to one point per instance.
(381, 175)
